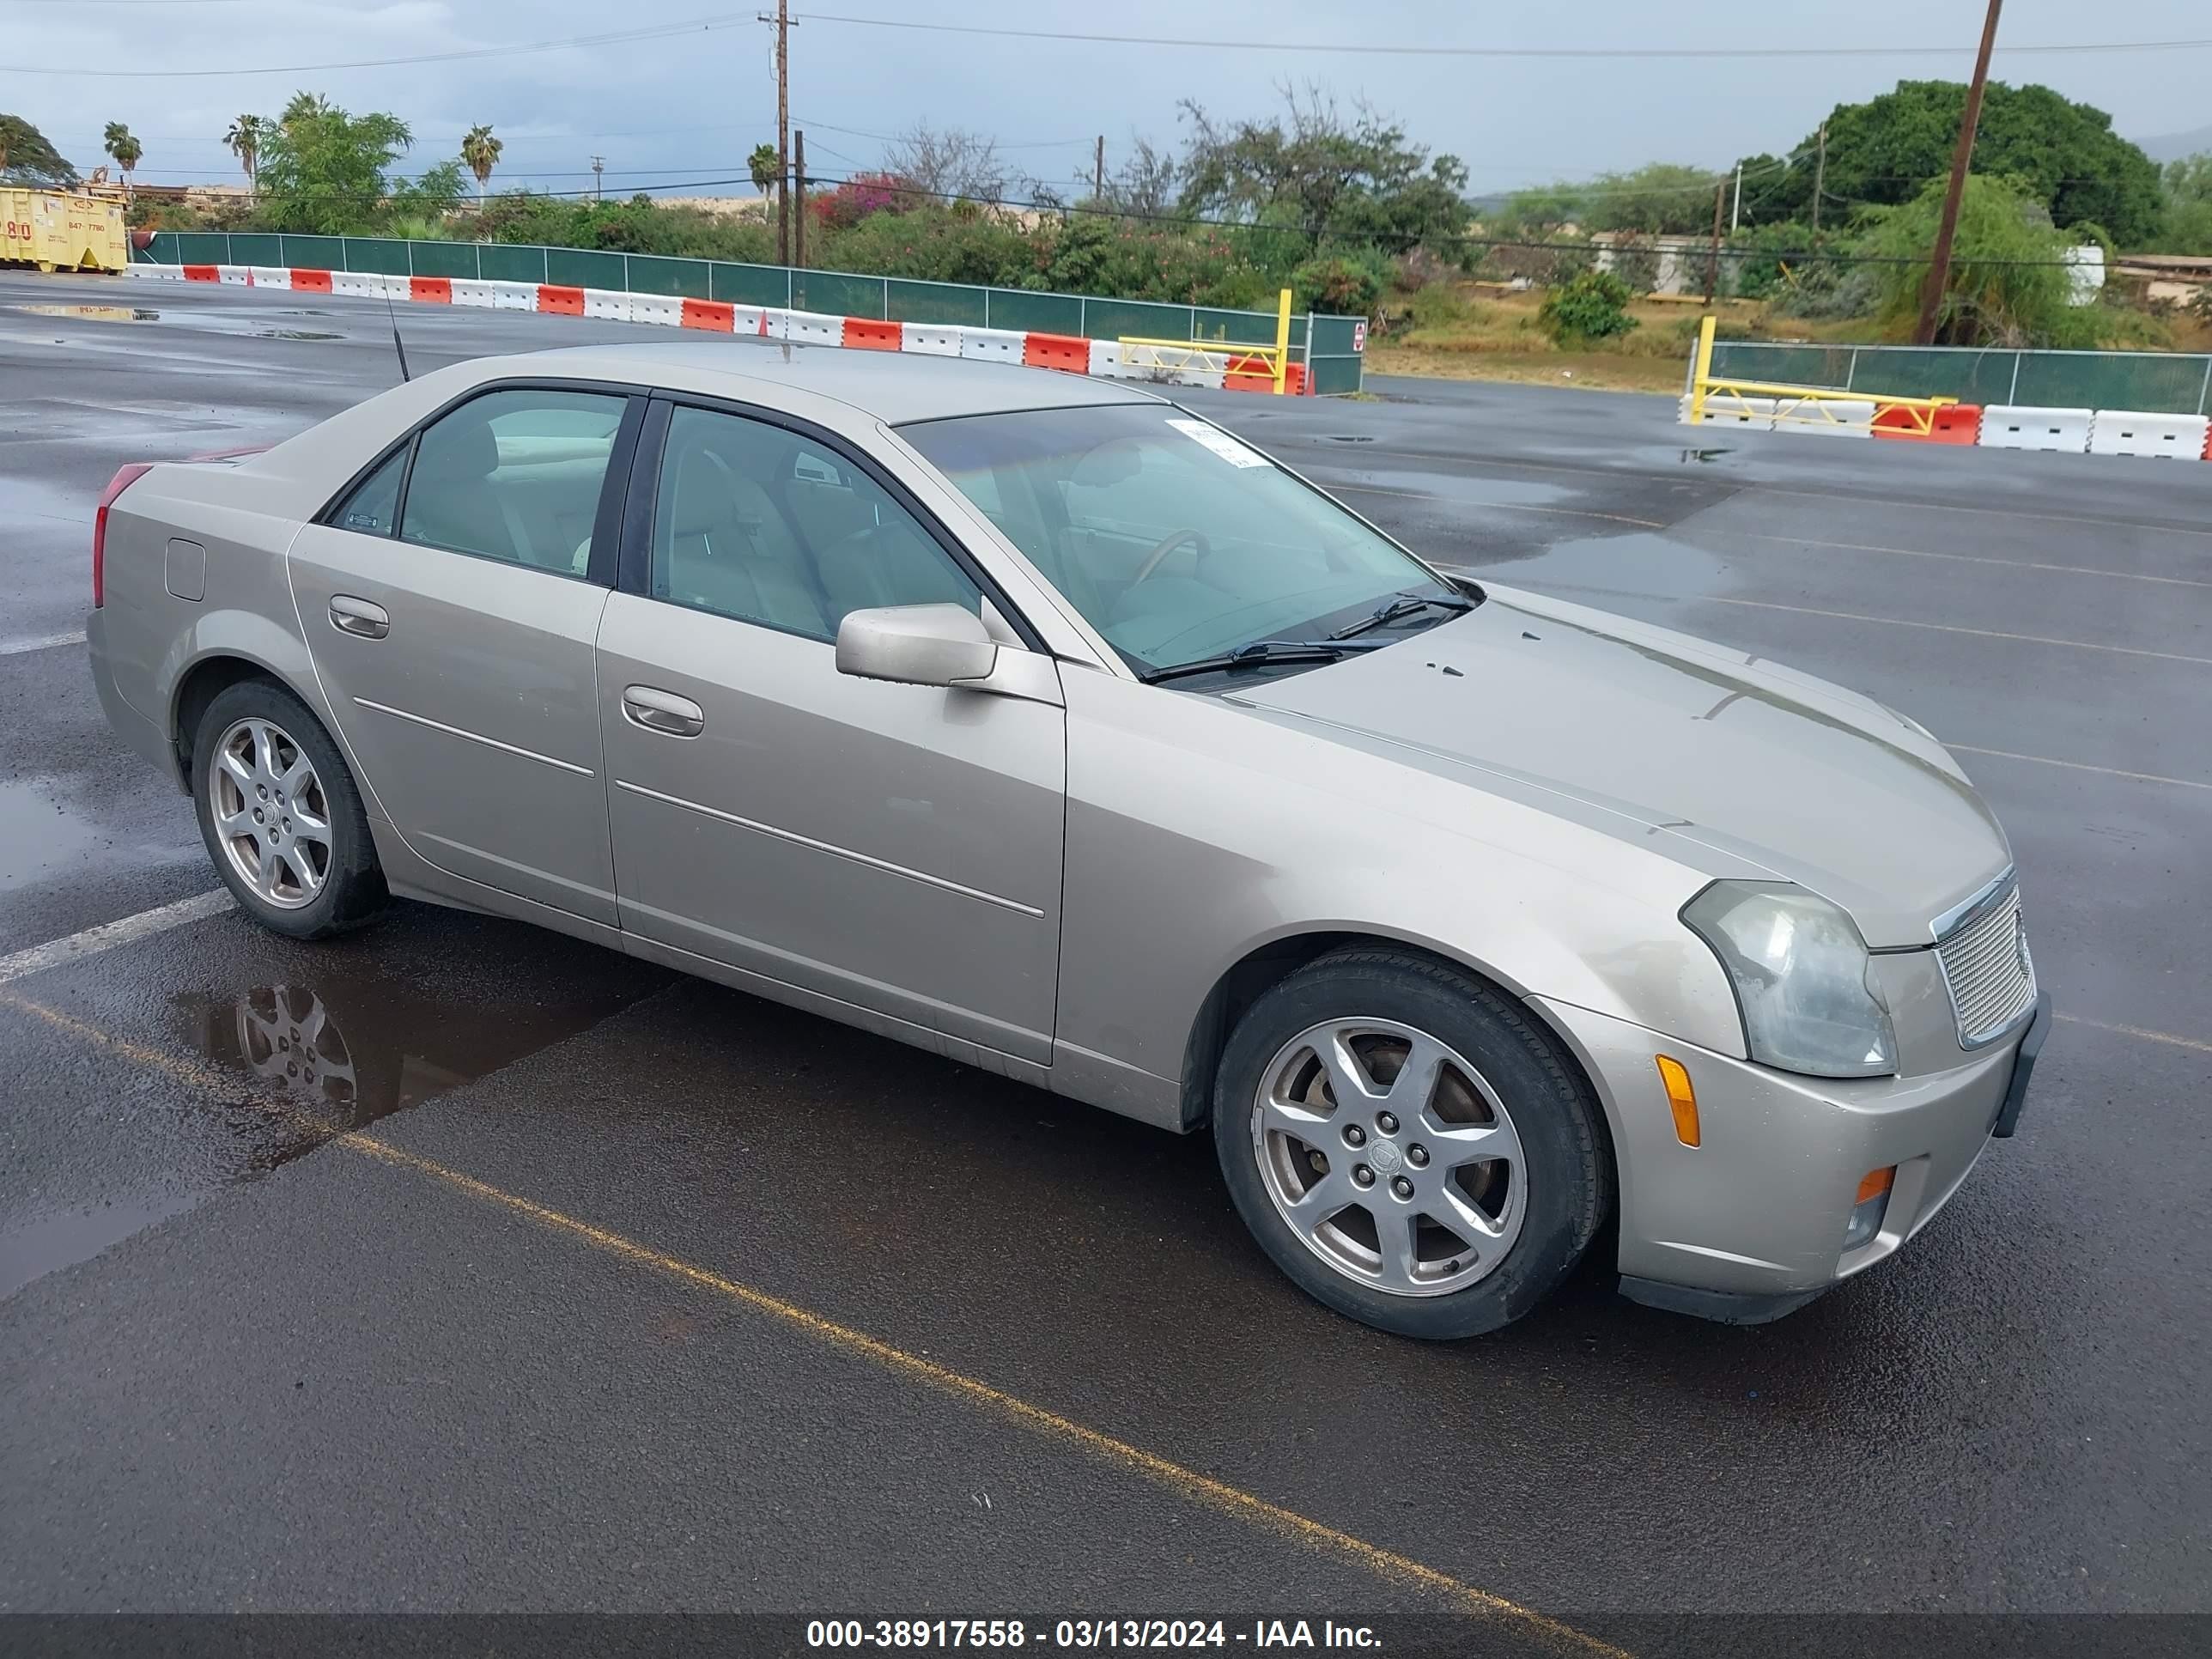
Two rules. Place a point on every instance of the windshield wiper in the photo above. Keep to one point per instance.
(1404, 605)
(1258, 654)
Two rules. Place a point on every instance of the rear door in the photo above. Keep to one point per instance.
(893, 847)
(451, 601)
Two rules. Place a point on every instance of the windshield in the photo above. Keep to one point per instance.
(1176, 542)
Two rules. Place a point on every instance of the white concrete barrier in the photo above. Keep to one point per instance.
(606, 305)
(270, 275)
(1106, 359)
(996, 345)
(931, 339)
(813, 328)
(2023, 426)
(468, 291)
(234, 276)
(762, 322)
(369, 285)
(2125, 432)
(1728, 410)
(1825, 417)
(158, 273)
(663, 310)
(514, 296)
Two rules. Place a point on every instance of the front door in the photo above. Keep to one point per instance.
(895, 847)
(450, 607)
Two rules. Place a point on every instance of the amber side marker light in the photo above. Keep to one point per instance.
(1868, 1207)
(1682, 1100)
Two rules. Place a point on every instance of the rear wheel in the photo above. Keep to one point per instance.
(1409, 1144)
(281, 816)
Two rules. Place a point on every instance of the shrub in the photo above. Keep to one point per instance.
(1592, 306)
(1346, 283)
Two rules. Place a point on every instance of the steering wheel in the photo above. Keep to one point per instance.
(1174, 539)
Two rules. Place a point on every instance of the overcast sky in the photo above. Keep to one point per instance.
(687, 107)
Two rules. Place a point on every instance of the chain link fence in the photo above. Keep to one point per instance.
(1331, 346)
(2145, 382)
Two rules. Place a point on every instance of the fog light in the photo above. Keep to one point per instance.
(1869, 1208)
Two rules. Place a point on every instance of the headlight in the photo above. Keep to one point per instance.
(1800, 971)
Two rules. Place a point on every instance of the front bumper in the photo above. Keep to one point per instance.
(1749, 1223)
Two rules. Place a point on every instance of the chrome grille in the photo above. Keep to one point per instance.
(1988, 970)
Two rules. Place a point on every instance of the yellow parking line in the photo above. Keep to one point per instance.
(1510, 507)
(1963, 558)
(1948, 628)
(1284, 1524)
(2148, 1036)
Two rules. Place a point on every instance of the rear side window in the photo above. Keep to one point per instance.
(514, 476)
(373, 507)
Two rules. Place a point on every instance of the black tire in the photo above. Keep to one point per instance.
(353, 890)
(1568, 1173)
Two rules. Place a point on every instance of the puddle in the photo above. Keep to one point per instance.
(251, 326)
(334, 1060)
(39, 836)
(37, 1247)
(1602, 570)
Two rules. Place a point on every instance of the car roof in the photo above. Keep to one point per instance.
(894, 387)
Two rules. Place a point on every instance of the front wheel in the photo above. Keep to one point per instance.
(281, 814)
(1409, 1144)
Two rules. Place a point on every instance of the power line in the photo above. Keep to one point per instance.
(656, 32)
(1370, 49)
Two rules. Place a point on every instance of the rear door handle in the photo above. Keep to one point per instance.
(352, 615)
(663, 712)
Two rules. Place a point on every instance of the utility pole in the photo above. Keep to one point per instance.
(1820, 175)
(798, 184)
(1099, 172)
(1939, 268)
(598, 177)
(1735, 212)
(1713, 263)
(782, 21)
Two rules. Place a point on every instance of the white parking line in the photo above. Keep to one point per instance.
(46, 642)
(2077, 766)
(109, 935)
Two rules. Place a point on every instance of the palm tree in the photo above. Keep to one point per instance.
(126, 150)
(480, 154)
(245, 141)
(761, 163)
(304, 106)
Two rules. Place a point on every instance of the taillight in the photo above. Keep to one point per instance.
(126, 474)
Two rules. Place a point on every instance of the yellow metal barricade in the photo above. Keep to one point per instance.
(1809, 406)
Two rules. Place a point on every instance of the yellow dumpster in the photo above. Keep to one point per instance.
(62, 230)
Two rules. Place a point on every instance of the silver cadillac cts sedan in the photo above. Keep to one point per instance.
(1039, 722)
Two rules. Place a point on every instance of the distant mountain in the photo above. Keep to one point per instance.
(2173, 146)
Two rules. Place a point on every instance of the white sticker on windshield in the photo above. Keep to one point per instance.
(1219, 442)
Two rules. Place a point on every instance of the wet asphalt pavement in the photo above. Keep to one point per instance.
(586, 1324)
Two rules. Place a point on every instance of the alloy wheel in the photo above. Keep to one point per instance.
(271, 813)
(1391, 1157)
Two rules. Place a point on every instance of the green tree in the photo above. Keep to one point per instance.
(1338, 179)
(124, 149)
(26, 157)
(480, 155)
(1661, 199)
(762, 164)
(2008, 284)
(244, 140)
(2188, 189)
(1881, 153)
(326, 171)
(1594, 306)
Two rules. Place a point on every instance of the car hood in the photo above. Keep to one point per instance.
(1815, 784)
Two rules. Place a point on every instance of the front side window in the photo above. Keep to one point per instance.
(1176, 542)
(766, 526)
(514, 476)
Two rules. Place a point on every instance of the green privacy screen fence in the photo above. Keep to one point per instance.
(2145, 382)
(1330, 345)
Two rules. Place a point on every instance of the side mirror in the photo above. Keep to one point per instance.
(916, 645)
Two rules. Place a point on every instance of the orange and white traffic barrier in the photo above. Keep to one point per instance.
(1200, 363)
(2128, 432)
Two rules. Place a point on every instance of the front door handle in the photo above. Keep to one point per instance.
(352, 615)
(663, 712)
